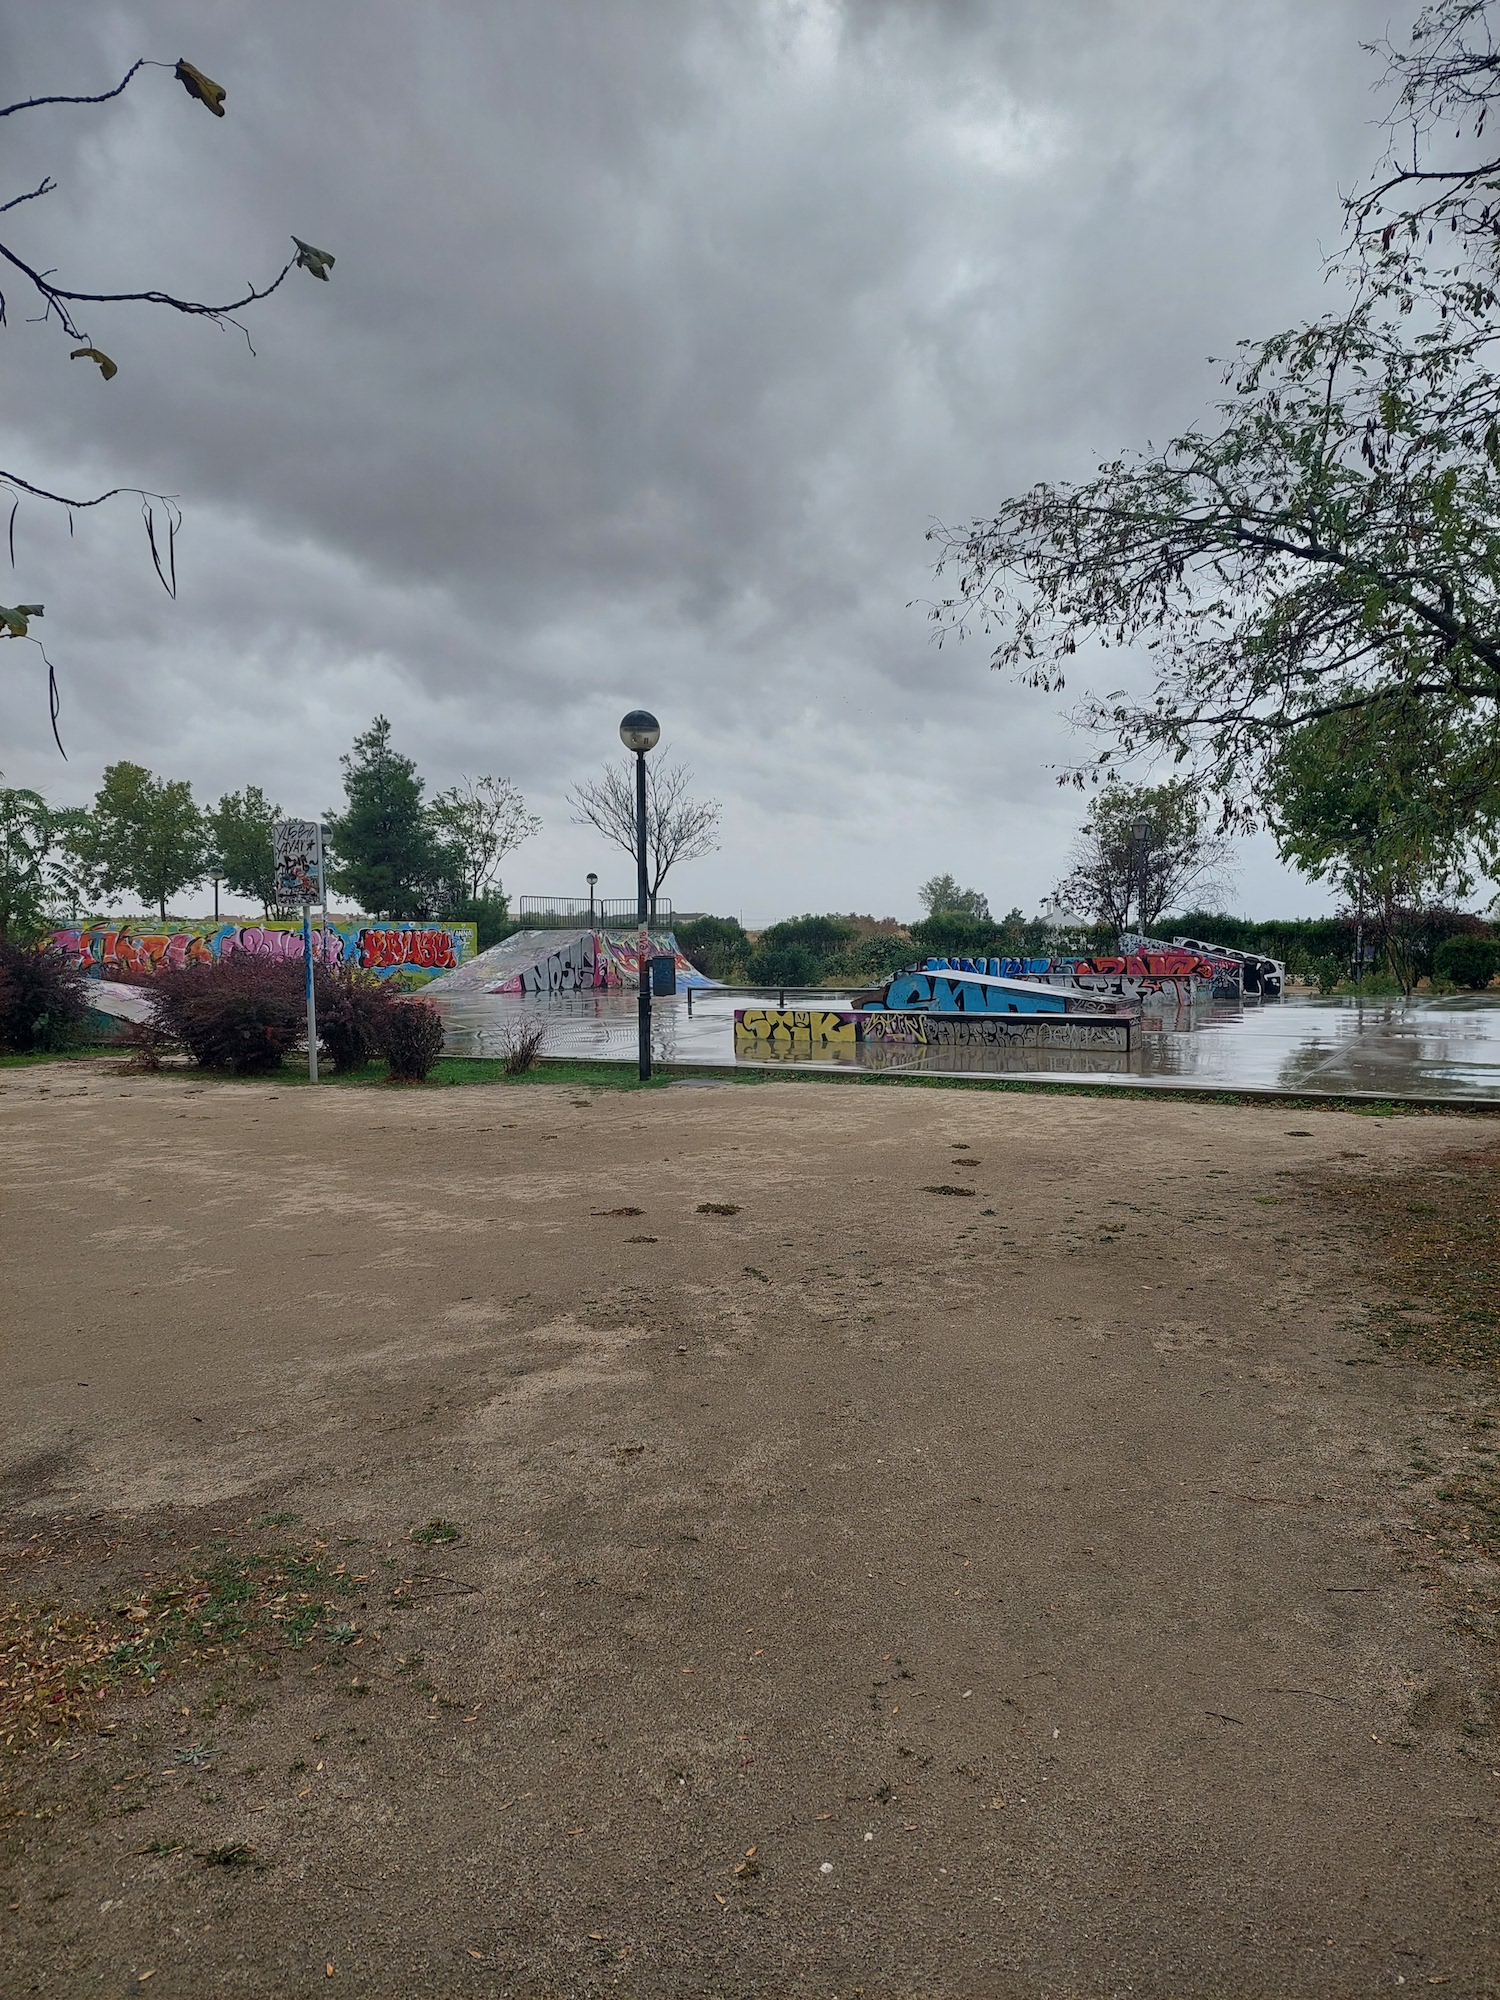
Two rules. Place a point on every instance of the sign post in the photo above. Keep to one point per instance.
(297, 850)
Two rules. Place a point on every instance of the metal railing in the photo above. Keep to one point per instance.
(616, 911)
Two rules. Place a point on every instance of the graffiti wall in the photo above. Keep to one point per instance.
(129, 950)
(782, 1028)
(1033, 1031)
(1169, 977)
(546, 964)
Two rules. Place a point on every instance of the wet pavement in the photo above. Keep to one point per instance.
(1446, 1047)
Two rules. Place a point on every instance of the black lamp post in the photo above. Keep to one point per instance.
(640, 732)
(591, 879)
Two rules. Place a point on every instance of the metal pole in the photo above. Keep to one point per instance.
(312, 1005)
(642, 911)
(323, 889)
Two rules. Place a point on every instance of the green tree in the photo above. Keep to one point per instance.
(37, 880)
(942, 897)
(482, 820)
(799, 951)
(239, 831)
(1142, 850)
(1331, 542)
(388, 855)
(1394, 808)
(143, 836)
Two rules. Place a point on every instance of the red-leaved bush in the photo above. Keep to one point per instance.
(242, 1014)
(42, 999)
(411, 1039)
(354, 1008)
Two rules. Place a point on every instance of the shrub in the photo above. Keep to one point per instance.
(411, 1039)
(520, 1045)
(1467, 961)
(875, 957)
(352, 1009)
(42, 999)
(783, 965)
(718, 946)
(242, 1014)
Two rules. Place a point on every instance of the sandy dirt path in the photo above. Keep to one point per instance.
(1010, 1586)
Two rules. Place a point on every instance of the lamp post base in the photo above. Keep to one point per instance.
(644, 1014)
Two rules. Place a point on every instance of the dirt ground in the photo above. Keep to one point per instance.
(872, 1590)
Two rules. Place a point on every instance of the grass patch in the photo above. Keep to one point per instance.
(436, 1530)
(1439, 1233)
(57, 1664)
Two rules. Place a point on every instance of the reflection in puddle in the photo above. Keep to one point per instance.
(1429, 1047)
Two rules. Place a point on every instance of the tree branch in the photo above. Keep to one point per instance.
(33, 103)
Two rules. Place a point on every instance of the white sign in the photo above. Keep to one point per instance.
(297, 851)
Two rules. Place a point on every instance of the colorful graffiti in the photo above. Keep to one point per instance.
(811, 1027)
(135, 949)
(545, 964)
(998, 1031)
(976, 995)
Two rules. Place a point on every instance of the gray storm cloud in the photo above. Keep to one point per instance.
(658, 335)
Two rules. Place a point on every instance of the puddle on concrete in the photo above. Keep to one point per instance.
(1447, 1047)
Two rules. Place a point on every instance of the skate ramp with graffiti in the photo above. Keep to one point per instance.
(541, 964)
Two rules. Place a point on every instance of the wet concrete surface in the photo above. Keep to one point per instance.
(1447, 1047)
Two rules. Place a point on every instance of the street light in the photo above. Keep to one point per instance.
(640, 732)
(591, 879)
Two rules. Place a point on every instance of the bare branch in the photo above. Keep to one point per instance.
(46, 186)
(678, 827)
(34, 103)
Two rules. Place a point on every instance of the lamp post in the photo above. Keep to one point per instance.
(640, 732)
(1142, 832)
(591, 879)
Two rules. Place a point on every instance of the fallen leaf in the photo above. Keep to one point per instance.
(475, 1954)
(718, 1208)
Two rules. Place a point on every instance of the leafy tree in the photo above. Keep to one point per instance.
(482, 819)
(678, 826)
(800, 951)
(59, 307)
(142, 836)
(37, 878)
(942, 897)
(1142, 850)
(240, 832)
(1389, 807)
(387, 853)
(1331, 543)
(489, 914)
(718, 946)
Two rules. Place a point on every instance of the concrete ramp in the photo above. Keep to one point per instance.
(544, 963)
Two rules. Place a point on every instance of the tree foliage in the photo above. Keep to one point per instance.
(37, 875)
(143, 836)
(942, 897)
(1143, 850)
(678, 826)
(482, 820)
(1330, 543)
(387, 853)
(239, 834)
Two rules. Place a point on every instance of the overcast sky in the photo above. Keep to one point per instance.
(660, 332)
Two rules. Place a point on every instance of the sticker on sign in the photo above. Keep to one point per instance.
(296, 849)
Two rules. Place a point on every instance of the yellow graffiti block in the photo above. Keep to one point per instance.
(779, 1027)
